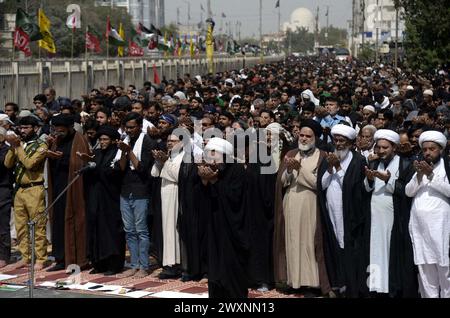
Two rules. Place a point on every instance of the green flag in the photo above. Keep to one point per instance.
(24, 22)
(138, 38)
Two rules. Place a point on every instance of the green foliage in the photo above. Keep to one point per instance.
(96, 17)
(303, 42)
(427, 24)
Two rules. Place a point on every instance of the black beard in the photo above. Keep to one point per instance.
(29, 137)
(435, 161)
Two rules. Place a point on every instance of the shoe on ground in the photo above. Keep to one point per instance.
(263, 288)
(142, 273)
(57, 267)
(20, 264)
(128, 273)
(40, 266)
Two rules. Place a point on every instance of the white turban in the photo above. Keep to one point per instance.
(309, 94)
(220, 145)
(434, 136)
(428, 92)
(344, 130)
(387, 134)
(370, 108)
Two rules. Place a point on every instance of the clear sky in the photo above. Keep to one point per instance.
(247, 12)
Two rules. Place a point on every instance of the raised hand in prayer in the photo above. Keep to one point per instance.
(54, 154)
(333, 161)
(207, 174)
(123, 146)
(321, 112)
(85, 157)
(426, 168)
(293, 164)
(385, 176)
(13, 140)
(370, 174)
(418, 168)
(160, 156)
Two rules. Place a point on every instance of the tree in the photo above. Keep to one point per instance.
(90, 14)
(427, 32)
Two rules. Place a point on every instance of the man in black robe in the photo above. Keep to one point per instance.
(68, 214)
(191, 221)
(222, 198)
(344, 207)
(105, 233)
(259, 205)
(403, 273)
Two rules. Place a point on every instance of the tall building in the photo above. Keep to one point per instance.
(376, 16)
(145, 11)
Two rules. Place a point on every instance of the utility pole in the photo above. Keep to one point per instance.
(396, 35)
(353, 28)
(326, 32)
(316, 35)
(208, 3)
(377, 26)
(260, 29)
(279, 27)
(363, 22)
(178, 16)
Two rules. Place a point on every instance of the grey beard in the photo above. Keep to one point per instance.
(341, 154)
(307, 147)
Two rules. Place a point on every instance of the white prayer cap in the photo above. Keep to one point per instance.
(344, 130)
(220, 145)
(229, 81)
(275, 128)
(387, 134)
(4, 117)
(180, 95)
(370, 108)
(428, 92)
(409, 88)
(434, 136)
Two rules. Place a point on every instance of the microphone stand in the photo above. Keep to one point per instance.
(32, 232)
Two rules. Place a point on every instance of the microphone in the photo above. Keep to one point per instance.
(90, 166)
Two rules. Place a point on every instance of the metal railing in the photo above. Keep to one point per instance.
(20, 81)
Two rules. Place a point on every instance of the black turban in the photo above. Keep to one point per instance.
(109, 131)
(313, 125)
(63, 120)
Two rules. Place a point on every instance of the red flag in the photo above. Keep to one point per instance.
(153, 44)
(22, 41)
(156, 79)
(92, 43)
(135, 50)
(108, 27)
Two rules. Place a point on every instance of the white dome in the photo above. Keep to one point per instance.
(302, 18)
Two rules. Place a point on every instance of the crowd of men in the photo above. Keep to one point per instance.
(309, 175)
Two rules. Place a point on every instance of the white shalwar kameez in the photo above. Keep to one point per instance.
(169, 208)
(429, 228)
(381, 222)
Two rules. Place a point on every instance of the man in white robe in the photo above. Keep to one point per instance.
(429, 226)
(168, 168)
(381, 182)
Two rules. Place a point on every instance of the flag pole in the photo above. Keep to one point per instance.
(71, 53)
(85, 46)
(39, 23)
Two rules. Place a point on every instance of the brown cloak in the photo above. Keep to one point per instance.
(279, 244)
(75, 215)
